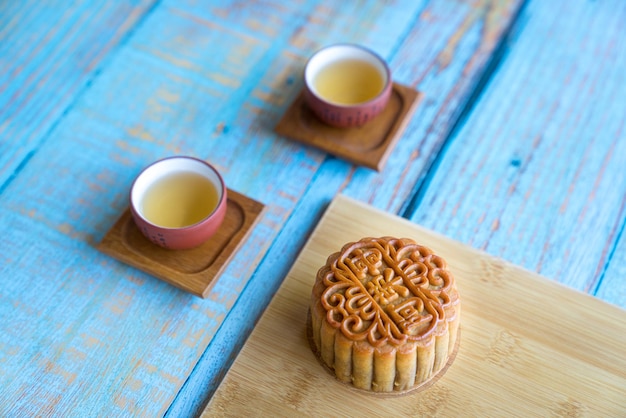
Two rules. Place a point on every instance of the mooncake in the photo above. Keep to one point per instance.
(384, 315)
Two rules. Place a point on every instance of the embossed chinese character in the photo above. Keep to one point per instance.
(387, 287)
(408, 316)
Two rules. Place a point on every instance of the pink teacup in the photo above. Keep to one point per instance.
(178, 202)
(346, 85)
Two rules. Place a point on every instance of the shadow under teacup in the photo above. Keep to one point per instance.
(346, 85)
(178, 202)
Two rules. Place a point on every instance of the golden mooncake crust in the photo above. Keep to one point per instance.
(384, 315)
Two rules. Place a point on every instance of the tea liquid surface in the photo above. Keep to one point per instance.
(349, 82)
(179, 199)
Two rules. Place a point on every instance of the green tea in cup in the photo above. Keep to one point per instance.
(179, 199)
(178, 202)
(346, 85)
(349, 81)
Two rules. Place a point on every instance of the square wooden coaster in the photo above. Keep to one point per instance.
(192, 270)
(368, 145)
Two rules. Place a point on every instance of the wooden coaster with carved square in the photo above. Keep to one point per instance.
(193, 270)
(368, 145)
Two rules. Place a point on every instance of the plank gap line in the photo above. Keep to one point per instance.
(616, 238)
(509, 37)
(88, 82)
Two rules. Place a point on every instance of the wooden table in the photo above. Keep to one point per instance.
(518, 148)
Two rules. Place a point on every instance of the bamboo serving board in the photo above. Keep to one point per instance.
(529, 346)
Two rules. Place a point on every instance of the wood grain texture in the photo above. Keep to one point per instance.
(612, 287)
(368, 145)
(49, 53)
(446, 64)
(200, 79)
(193, 270)
(83, 335)
(529, 346)
(532, 175)
(444, 60)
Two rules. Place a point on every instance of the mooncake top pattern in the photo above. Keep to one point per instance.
(388, 290)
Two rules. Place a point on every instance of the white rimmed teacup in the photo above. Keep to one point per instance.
(174, 219)
(346, 85)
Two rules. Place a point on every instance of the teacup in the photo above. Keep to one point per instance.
(178, 202)
(346, 85)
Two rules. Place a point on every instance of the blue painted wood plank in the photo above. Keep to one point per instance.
(49, 53)
(446, 64)
(612, 287)
(75, 185)
(104, 338)
(536, 173)
(445, 61)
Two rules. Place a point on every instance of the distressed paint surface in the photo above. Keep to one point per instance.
(536, 174)
(612, 287)
(93, 92)
(415, 61)
(122, 341)
(49, 53)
